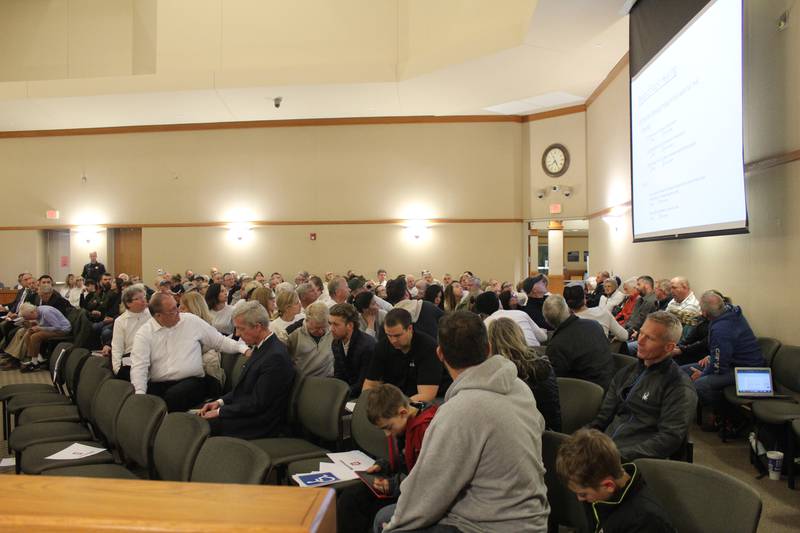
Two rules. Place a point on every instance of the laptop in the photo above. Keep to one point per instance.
(755, 382)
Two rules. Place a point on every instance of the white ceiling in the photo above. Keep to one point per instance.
(411, 59)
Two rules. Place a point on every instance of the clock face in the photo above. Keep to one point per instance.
(555, 160)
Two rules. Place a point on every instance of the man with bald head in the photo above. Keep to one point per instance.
(731, 343)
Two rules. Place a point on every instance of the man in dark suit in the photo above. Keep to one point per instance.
(256, 407)
(25, 294)
(9, 324)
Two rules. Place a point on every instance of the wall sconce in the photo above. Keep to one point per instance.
(416, 229)
(615, 222)
(239, 231)
(87, 235)
(615, 218)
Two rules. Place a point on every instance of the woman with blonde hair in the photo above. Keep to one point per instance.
(506, 338)
(288, 304)
(71, 291)
(195, 303)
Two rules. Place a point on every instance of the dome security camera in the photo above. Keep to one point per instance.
(277, 101)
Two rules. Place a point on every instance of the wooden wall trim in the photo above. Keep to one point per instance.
(772, 161)
(295, 123)
(621, 64)
(204, 126)
(571, 110)
(609, 210)
(218, 224)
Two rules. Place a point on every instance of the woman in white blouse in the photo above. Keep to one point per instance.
(136, 314)
(576, 300)
(221, 312)
(612, 297)
(71, 291)
(288, 312)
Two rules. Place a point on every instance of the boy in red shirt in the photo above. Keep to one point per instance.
(402, 420)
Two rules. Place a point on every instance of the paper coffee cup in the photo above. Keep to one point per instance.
(775, 460)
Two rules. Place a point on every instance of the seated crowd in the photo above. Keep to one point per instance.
(462, 373)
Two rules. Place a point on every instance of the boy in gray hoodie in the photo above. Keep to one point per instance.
(480, 468)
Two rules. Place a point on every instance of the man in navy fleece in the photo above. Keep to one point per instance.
(731, 343)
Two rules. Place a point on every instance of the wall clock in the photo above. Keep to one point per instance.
(555, 160)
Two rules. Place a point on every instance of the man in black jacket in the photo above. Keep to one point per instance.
(536, 289)
(579, 348)
(648, 406)
(93, 269)
(257, 405)
(352, 349)
(47, 296)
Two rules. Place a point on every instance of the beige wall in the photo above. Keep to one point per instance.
(23, 251)
(56, 39)
(569, 130)
(757, 269)
(489, 250)
(309, 173)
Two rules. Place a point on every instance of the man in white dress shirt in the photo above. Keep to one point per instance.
(167, 356)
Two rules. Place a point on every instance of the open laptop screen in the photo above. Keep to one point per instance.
(753, 382)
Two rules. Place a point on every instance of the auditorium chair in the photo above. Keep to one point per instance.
(791, 451)
(320, 406)
(92, 397)
(366, 437)
(23, 402)
(230, 460)
(580, 401)
(131, 435)
(174, 449)
(73, 366)
(227, 362)
(55, 366)
(565, 509)
(782, 412)
(698, 499)
(623, 361)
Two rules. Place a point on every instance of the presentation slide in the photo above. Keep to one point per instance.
(686, 131)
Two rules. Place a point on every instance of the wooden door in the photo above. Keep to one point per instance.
(128, 251)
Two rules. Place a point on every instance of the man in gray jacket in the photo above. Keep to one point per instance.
(480, 468)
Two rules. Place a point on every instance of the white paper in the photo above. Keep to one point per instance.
(350, 406)
(338, 469)
(7, 461)
(75, 451)
(355, 460)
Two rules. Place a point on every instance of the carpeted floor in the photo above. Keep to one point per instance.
(781, 511)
